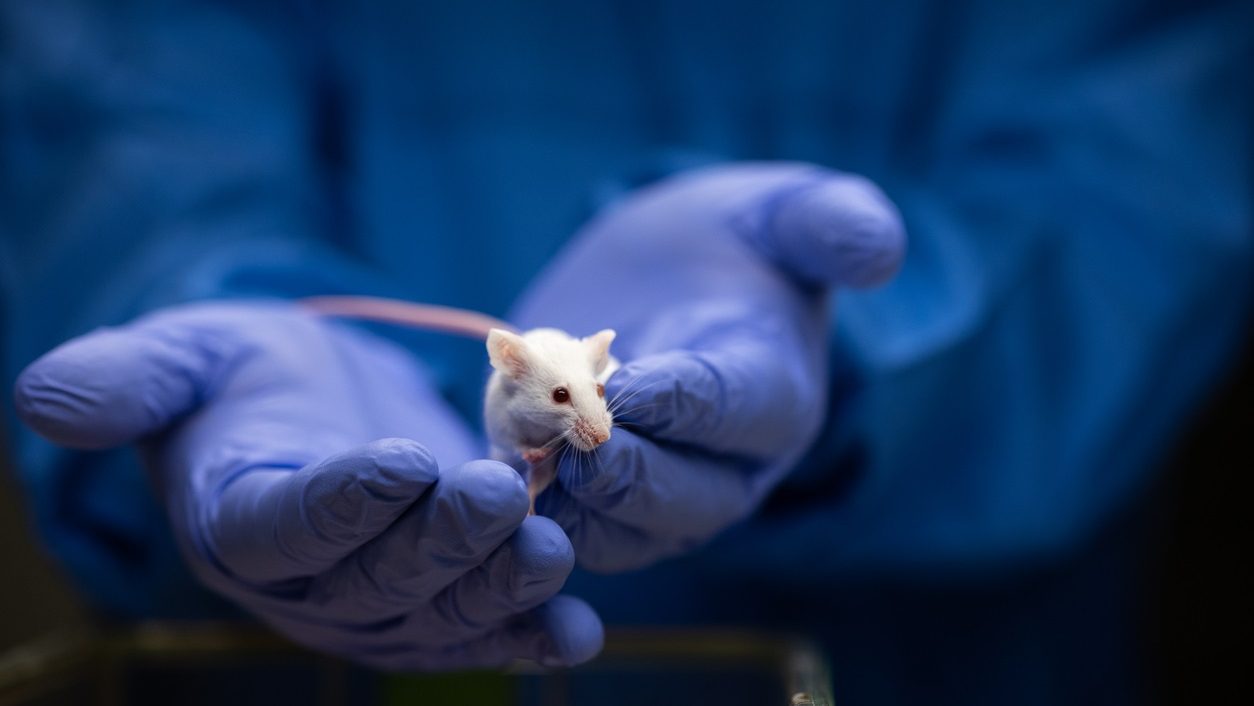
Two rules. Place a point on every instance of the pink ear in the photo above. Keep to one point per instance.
(508, 353)
(599, 348)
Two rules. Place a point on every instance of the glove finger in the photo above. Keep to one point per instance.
(525, 571)
(113, 386)
(734, 397)
(676, 496)
(274, 524)
(823, 227)
(573, 630)
(605, 545)
(463, 518)
(561, 633)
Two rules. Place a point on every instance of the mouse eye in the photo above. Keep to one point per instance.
(561, 395)
(600, 390)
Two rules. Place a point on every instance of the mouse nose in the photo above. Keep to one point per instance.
(590, 434)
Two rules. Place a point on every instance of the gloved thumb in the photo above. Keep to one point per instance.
(827, 228)
(116, 385)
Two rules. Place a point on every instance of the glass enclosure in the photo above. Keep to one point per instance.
(240, 666)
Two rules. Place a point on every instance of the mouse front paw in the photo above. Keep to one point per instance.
(534, 456)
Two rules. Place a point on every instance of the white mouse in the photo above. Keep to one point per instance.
(547, 389)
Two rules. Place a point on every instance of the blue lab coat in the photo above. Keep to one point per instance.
(1075, 180)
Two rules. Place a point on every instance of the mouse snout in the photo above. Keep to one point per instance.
(590, 435)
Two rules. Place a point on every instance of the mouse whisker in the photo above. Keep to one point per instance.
(628, 425)
(630, 388)
(586, 464)
(635, 386)
(562, 506)
(637, 408)
(627, 394)
(555, 440)
(596, 462)
(576, 470)
(561, 457)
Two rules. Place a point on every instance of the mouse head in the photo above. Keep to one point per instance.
(557, 380)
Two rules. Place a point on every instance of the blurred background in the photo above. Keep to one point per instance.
(36, 598)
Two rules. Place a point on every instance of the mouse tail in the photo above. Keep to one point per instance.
(430, 317)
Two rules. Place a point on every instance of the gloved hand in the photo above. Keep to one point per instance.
(281, 445)
(716, 282)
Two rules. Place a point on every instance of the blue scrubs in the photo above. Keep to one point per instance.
(1075, 180)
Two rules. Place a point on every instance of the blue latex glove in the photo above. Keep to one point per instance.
(716, 282)
(281, 446)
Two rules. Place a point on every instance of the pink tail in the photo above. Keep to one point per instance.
(461, 322)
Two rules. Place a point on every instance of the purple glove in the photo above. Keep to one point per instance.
(281, 446)
(716, 282)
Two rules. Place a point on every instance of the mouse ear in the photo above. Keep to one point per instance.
(598, 345)
(508, 352)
